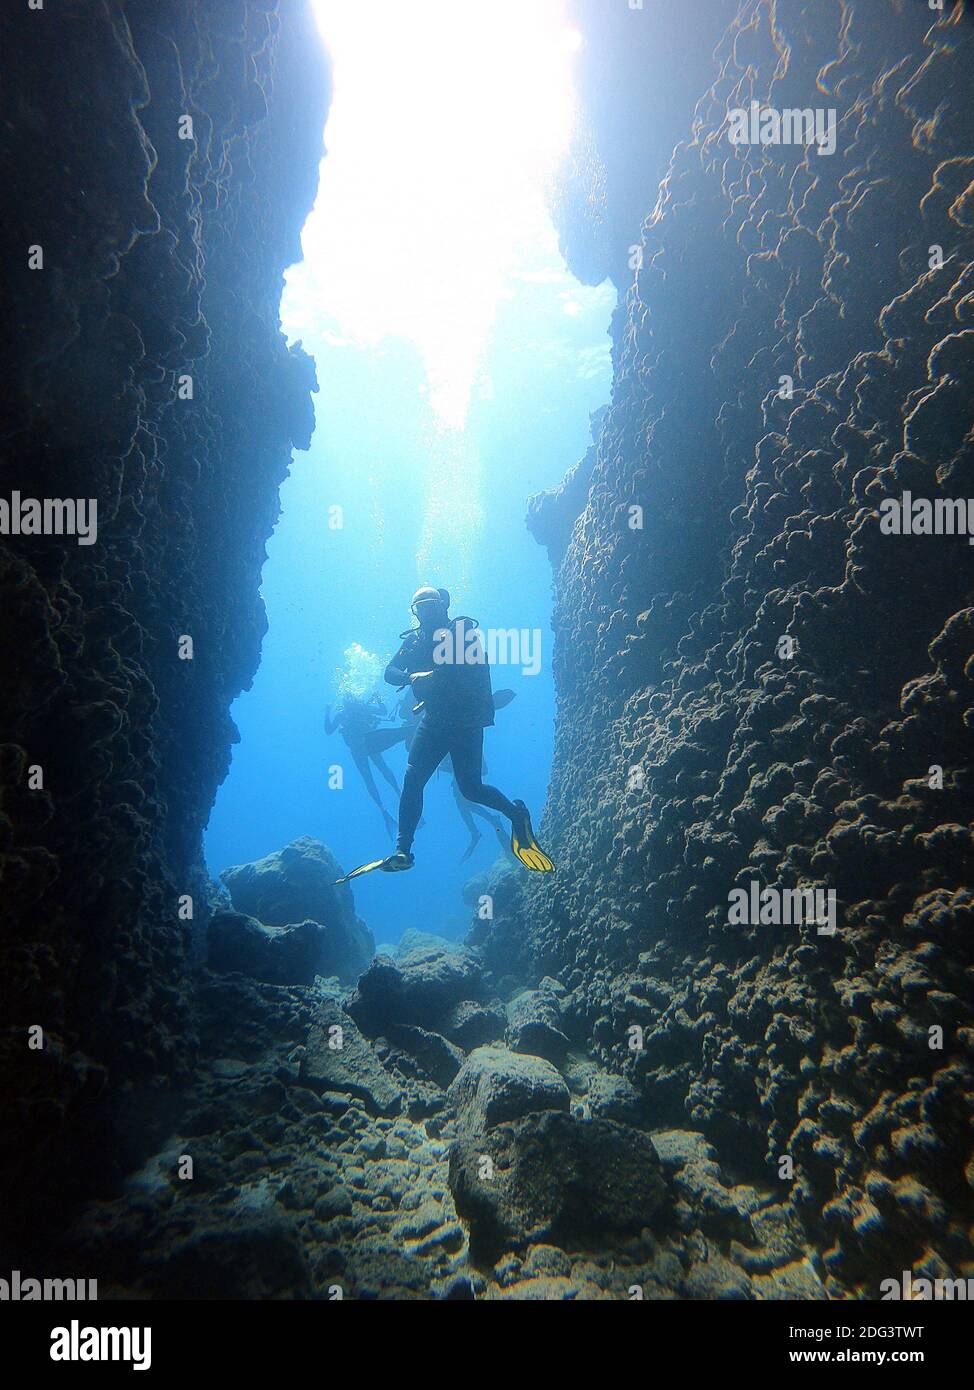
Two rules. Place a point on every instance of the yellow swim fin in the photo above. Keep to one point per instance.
(393, 863)
(362, 869)
(525, 846)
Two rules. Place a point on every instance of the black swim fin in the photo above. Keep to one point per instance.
(525, 846)
(392, 864)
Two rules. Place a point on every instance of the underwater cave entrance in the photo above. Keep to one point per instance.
(458, 361)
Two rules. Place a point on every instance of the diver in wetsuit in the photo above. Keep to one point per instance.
(410, 718)
(359, 722)
(446, 665)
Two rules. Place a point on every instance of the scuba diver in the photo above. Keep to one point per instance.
(454, 693)
(359, 722)
(410, 716)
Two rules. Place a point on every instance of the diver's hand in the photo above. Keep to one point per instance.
(419, 681)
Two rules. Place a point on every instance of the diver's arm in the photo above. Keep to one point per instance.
(396, 672)
(330, 724)
(395, 675)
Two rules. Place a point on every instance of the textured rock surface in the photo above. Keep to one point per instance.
(496, 1085)
(278, 955)
(534, 1025)
(548, 1176)
(299, 1191)
(162, 271)
(469, 1024)
(810, 1137)
(339, 1059)
(438, 1057)
(297, 884)
(290, 885)
(696, 750)
(606, 1096)
(420, 987)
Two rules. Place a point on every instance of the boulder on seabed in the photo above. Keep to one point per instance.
(290, 955)
(419, 987)
(297, 885)
(552, 1178)
(472, 1024)
(533, 1025)
(603, 1095)
(338, 1058)
(413, 940)
(495, 1085)
(612, 1097)
(438, 1057)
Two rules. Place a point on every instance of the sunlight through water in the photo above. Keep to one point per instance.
(447, 123)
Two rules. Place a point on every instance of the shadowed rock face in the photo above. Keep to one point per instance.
(294, 885)
(695, 753)
(637, 80)
(496, 1085)
(552, 1178)
(696, 750)
(421, 987)
(148, 372)
(339, 1059)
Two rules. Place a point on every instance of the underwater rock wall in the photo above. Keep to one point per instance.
(756, 685)
(165, 155)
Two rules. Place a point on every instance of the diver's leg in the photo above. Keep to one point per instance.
(466, 808)
(386, 771)
(429, 748)
(467, 812)
(476, 810)
(381, 740)
(467, 753)
(466, 750)
(361, 760)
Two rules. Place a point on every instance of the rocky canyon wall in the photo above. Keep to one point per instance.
(756, 684)
(164, 156)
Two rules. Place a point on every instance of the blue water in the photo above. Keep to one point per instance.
(420, 505)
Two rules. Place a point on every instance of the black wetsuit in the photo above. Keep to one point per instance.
(457, 708)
